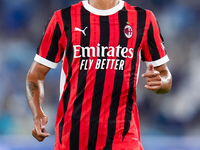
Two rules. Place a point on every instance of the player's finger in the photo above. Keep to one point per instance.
(149, 74)
(35, 135)
(43, 126)
(154, 83)
(154, 79)
(40, 132)
(153, 88)
(39, 135)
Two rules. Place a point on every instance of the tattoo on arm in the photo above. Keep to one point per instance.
(31, 87)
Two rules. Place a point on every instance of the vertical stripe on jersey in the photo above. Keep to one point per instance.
(152, 43)
(66, 17)
(117, 83)
(108, 84)
(53, 50)
(75, 40)
(141, 21)
(89, 89)
(76, 115)
(132, 19)
(99, 86)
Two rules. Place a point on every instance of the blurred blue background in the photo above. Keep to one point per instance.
(168, 122)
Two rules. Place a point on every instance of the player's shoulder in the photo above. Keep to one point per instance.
(148, 13)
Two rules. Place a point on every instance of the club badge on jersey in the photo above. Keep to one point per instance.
(128, 31)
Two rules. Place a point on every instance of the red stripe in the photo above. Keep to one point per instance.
(75, 20)
(46, 41)
(60, 113)
(90, 80)
(60, 110)
(108, 85)
(135, 118)
(147, 54)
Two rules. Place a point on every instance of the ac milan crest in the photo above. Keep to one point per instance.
(128, 31)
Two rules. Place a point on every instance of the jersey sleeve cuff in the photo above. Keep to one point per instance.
(45, 62)
(158, 62)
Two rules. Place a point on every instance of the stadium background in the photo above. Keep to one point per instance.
(168, 122)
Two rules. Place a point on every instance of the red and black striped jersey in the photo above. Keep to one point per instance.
(100, 52)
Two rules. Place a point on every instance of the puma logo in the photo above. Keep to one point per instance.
(83, 31)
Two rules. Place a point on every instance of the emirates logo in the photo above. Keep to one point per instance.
(128, 31)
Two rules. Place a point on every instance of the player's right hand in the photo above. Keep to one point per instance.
(39, 131)
(153, 78)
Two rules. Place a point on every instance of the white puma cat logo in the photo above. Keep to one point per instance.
(83, 31)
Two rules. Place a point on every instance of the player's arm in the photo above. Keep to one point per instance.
(35, 98)
(158, 79)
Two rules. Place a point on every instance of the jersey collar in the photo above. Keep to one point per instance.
(100, 12)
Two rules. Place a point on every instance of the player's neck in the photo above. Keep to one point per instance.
(103, 4)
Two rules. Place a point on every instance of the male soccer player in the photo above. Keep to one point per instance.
(100, 44)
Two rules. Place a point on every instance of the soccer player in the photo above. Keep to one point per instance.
(100, 44)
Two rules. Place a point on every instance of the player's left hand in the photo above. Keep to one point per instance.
(153, 78)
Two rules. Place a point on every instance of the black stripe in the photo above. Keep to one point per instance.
(119, 75)
(66, 17)
(141, 21)
(85, 41)
(152, 44)
(99, 86)
(142, 56)
(53, 50)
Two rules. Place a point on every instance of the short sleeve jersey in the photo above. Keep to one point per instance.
(100, 52)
